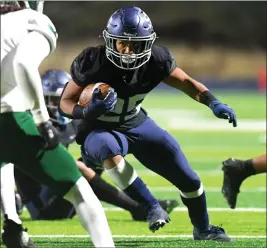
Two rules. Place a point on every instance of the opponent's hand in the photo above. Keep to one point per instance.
(98, 107)
(50, 135)
(222, 111)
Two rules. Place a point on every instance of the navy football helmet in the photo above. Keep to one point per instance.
(133, 25)
(53, 82)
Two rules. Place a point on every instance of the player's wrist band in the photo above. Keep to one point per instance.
(77, 112)
(206, 98)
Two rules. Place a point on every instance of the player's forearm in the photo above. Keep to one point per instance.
(30, 53)
(39, 110)
(197, 91)
(70, 108)
(66, 107)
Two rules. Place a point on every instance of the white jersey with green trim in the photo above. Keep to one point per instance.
(15, 26)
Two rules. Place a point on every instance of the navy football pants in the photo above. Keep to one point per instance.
(154, 147)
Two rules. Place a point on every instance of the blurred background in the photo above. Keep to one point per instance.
(221, 43)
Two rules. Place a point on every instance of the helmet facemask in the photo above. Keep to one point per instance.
(141, 50)
(52, 103)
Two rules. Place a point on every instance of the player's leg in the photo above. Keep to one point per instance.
(105, 191)
(29, 191)
(40, 200)
(8, 192)
(109, 194)
(161, 153)
(56, 168)
(108, 149)
(14, 235)
(235, 171)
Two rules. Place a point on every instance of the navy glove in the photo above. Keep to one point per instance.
(222, 111)
(49, 134)
(98, 107)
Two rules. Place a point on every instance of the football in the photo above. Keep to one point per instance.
(86, 94)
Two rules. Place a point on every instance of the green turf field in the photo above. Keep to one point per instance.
(206, 141)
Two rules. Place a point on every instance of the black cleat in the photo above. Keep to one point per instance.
(157, 218)
(233, 177)
(140, 214)
(15, 236)
(213, 233)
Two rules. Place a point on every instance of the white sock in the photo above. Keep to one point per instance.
(8, 202)
(90, 213)
(123, 175)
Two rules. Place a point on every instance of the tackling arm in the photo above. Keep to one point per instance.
(32, 50)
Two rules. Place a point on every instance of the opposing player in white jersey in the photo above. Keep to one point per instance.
(28, 139)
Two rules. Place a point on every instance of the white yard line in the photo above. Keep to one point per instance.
(207, 189)
(197, 120)
(184, 209)
(140, 236)
(199, 172)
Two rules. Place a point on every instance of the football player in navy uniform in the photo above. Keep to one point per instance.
(40, 200)
(117, 125)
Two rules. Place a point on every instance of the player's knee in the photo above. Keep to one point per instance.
(79, 191)
(100, 146)
(193, 193)
(112, 161)
(88, 173)
(190, 183)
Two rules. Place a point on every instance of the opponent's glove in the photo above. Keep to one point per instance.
(98, 107)
(50, 135)
(222, 111)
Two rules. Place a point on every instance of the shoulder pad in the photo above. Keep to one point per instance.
(161, 54)
(163, 57)
(42, 24)
(85, 64)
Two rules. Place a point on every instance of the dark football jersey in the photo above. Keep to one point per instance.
(92, 66)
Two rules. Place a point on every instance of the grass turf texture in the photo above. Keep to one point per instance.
(205, 150)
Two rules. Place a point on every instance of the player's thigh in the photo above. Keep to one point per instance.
(161, 153)
(56, 168)
(101, 145)
(20, 138)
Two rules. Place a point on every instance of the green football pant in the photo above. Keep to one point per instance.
(22, 145)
